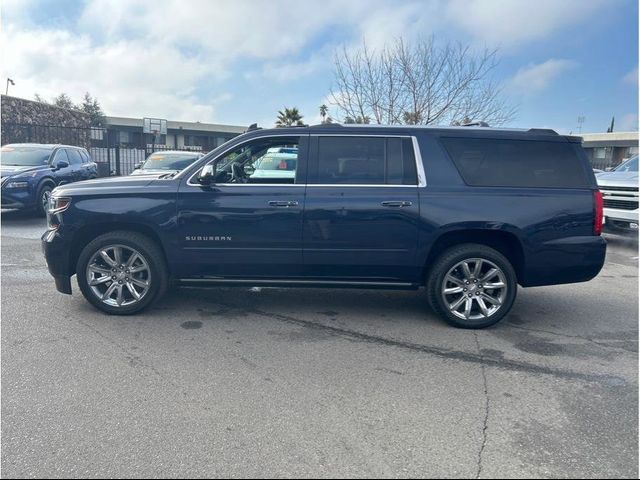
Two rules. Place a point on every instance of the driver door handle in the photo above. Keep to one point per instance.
(283, 203)
(396, 204)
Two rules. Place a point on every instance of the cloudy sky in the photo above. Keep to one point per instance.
(238, 62)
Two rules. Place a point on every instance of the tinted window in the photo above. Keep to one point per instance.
(516, 163)
(74, 156)
(85, 156)
(61, 155)
(365, 160)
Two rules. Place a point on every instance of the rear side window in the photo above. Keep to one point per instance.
(485, 162)
(85, 156)
(366, 161)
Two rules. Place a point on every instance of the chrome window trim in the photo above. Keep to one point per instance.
(422, 179)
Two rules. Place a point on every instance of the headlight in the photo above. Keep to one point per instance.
(14, 184)
(58, 204)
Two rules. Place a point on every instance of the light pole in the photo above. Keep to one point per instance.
(9, 81)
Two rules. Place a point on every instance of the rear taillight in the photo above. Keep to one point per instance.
(598, 212)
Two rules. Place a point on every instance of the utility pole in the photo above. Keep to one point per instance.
(581, 120)
(9, 81)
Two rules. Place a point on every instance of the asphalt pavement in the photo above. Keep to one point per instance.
(316, 383)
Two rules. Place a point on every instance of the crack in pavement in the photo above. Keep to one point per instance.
(485, 422)
(513, 365)
(565, 335)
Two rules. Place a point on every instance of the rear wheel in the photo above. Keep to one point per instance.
(122, 272)
(472, 286)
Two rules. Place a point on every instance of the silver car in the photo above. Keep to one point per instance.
(620, 193)
(163, 162)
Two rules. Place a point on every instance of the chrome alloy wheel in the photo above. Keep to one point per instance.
(118, 275)
(474, 289)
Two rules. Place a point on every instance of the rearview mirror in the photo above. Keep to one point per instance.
(206, 176)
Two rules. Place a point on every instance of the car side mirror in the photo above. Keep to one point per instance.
(137, 166)
(207, 174)
(608, 169)
(60, 164)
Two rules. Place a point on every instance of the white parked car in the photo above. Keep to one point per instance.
(275, 165)
(620, 194)
(170, 161)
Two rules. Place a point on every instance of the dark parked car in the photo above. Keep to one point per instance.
(30, 171)
(469, 213)
(164, 162)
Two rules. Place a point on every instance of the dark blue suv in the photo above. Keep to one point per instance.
(30, 171)
(467, 213)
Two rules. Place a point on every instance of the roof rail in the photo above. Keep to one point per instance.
(252, 127)
(546, 131)
(475, 124)
(324, 125)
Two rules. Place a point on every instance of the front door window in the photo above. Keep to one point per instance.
(263, 161)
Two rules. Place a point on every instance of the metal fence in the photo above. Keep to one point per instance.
(113, 157)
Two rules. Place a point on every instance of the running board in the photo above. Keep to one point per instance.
(297, 283)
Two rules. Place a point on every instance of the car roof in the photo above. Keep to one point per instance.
(369, 129)
(42, 145)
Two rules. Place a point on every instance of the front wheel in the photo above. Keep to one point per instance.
(42, 199)
(122, 272)
(472, 286)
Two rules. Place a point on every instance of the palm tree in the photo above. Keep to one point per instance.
(323, 112)
(290, 116)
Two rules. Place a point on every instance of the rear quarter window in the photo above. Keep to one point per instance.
(485, 162)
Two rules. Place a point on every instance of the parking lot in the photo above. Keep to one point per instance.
(328, 383)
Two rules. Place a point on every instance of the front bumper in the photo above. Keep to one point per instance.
(56, 252)
(16, 198)
(616, 219)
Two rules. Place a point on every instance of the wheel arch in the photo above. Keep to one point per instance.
(504, 241)
(88, 232)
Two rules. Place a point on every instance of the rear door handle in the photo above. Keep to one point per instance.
(396, 204)
(283, 203)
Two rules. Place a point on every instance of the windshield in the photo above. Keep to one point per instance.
(24, 156)
(630, 165)
(169, 161)
(277, 162)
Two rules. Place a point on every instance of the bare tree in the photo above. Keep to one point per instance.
(422, 83)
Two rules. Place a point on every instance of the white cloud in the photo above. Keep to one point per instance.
(511, 23)
(129, 77)
(534, 78)
(172, 58)
(632, 77)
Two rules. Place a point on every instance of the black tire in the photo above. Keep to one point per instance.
(41, 208)
(451, 258)
(159, 276)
